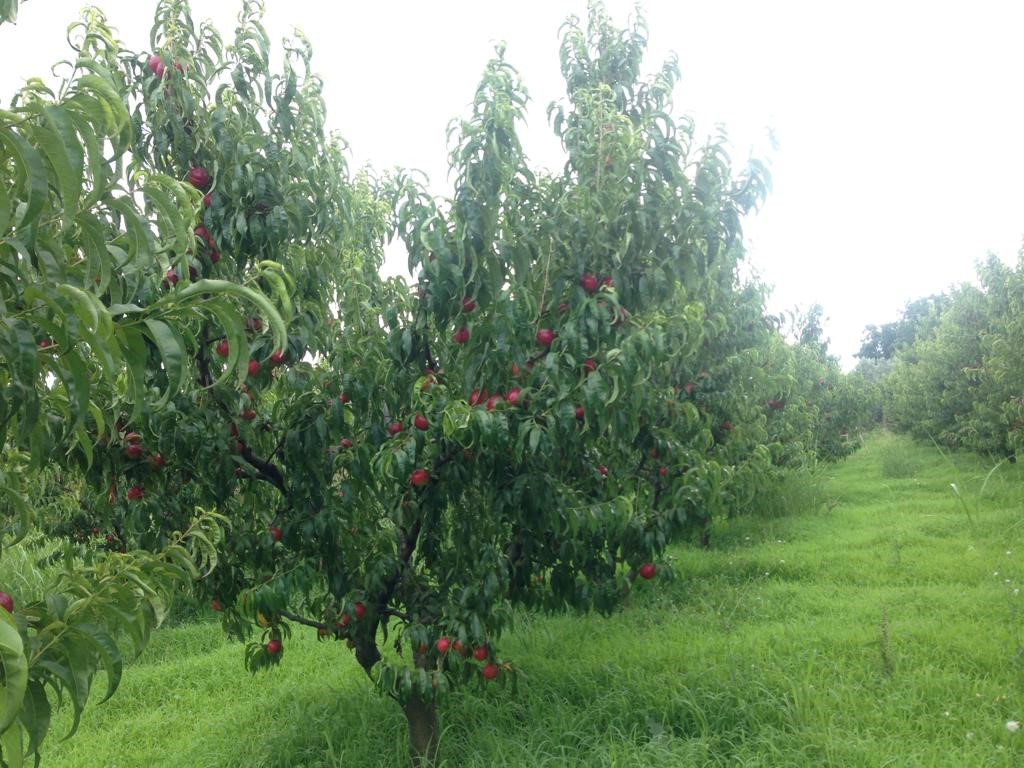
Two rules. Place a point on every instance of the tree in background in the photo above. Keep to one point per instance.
(959, 383)
(917, 321)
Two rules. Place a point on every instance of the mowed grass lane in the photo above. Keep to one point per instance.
(877, 623)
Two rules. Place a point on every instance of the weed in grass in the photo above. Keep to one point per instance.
(883, 644)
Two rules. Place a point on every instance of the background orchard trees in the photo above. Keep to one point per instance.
(960, 384)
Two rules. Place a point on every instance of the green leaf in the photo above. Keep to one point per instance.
(139, 235)
(35, 715)
(15, 668)
(53, 149)
(172, 351)
(133, 343)
(264, 304)
(106, 650)
(33, 179)
(11, 743)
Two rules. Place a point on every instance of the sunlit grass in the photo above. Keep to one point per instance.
(881, 628)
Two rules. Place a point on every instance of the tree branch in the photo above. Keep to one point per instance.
(267, 471)
(304, 621)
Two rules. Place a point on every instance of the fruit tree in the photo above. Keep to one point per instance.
(401, 466)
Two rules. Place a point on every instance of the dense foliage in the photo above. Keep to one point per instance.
(959, 383)
(576, 376)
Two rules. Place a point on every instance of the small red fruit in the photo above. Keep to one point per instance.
(156, 66)
(477, 396)
(198, 177)
(322, 632)
(234, 430)
(579, 412)
(134, 451)
(254, 324)
(590, 365)
(468, 305)
(726, 426)
(170, 278)
(275, 533)
(588, 283)
(490, 671)
(662, 471)
(360, 611)
(277, 357)
(647, 571)
(421, 422)
(248, 414)
(512, 396)
(419, 477)
(223, 349)
(515, 370)
(274, 647)
(204, 234)
(207, 200)
(346, 443)
(603, 470)
(480, 653)
(442, 645)
(545, 336)
(460, 648)
(157, 460)
(690, 387)
(255, 368)
(563, 308)
(492, 401)
(214, 256)
(133, 437)
(607, 281)
(462, 335)
(135, 493)
(215, 604)
(343, 398)
(46, 343)
(6, 602)
(344, 620)
(395, 428)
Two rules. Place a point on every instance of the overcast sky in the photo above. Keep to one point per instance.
(900, 125)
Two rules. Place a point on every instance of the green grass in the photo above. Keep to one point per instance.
(882, 628)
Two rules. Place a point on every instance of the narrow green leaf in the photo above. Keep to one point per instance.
(52, 147)
(172, 350)
(264, 304)
(106, 650)
(33, 174)
(35, 716)
(15, 668)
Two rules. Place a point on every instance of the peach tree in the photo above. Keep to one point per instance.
(406, 465)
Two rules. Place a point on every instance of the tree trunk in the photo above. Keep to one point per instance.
(423, 731)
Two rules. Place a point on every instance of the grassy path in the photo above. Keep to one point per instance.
(878, 624)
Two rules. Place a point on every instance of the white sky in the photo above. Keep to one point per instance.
(900, 125)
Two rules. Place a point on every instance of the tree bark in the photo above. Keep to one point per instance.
(423, 731)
